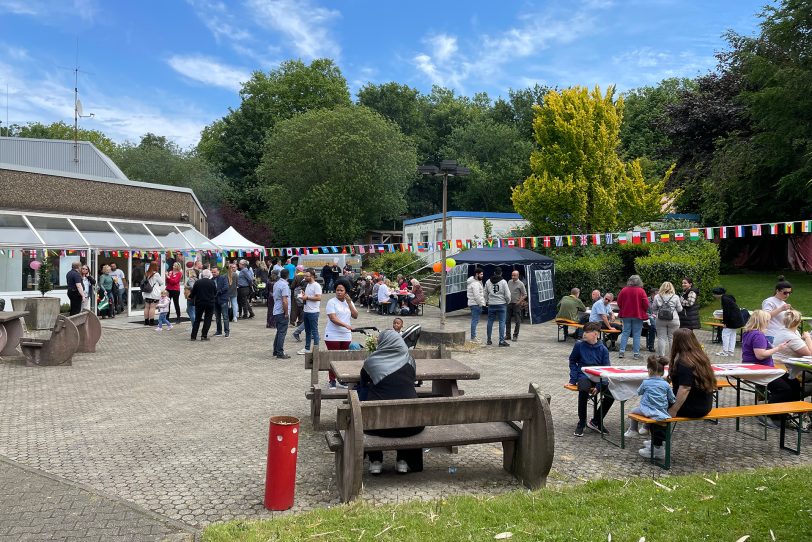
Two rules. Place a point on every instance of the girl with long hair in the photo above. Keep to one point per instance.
(153, 277)
(693, 381)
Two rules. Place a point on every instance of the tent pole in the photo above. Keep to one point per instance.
(442, 252)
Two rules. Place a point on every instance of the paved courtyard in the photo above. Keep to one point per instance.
(174, 433)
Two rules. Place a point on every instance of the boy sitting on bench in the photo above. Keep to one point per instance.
(589, 352)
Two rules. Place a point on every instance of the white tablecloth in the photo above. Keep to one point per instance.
(625, 379)
(796, 366)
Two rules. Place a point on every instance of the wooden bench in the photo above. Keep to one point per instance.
(57, 349)
(721, 413)
(90, 330)
(563, 324)
(319, 361)
(527, 449)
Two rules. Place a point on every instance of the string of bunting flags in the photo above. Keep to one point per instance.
(552, 241)
(546, 241)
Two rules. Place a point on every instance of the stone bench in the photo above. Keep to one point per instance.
(57, 349)
(90, 330)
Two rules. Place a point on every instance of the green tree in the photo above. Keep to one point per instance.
(157, 160)
(497, 155)
(234, 144)
(330, 175)
(578, 181)
(60, 130)
(518, 108)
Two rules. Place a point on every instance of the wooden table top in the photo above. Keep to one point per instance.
(7, 316)
(427, 369)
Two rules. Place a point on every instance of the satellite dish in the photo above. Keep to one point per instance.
(79, 107)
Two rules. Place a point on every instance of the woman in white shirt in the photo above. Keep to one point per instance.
(776, 305)
(338, 333)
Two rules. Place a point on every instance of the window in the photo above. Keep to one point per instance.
(98, 233)
(544, 283)
(410, 238)
(136, 235)
(439, 236)
(15, 232)
(56, 231)
(456, 279)
(424, 237)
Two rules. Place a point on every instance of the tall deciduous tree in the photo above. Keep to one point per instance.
(60, 130)
(234, 144)
(330, 175)
(578, 181)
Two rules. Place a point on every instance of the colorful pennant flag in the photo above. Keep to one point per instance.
(709, 233)
(773, 229)
(806, 226)
(636, 240)
(679, 235)
(739, 231)
(756, 230)
(694, 234)
(665, 237)
(651, 237)
(723, 232)
(621, 238)
(789, 228)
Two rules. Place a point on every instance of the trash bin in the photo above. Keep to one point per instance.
(280, 476)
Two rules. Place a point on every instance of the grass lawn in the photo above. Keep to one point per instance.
(750, 289)
(766, 504)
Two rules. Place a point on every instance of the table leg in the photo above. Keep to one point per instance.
(446, 388)
(14, 332)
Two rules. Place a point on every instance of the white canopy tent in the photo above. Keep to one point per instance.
(231, 239)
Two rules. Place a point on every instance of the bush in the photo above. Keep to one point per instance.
(588, 271)
(394, 263)
(673, 261)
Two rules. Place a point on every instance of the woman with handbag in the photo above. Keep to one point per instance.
(173, 280)
(665, 309)
(89, 283)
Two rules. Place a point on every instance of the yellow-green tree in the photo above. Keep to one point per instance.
(578, 181)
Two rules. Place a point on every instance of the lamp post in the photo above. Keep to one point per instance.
(448, 168)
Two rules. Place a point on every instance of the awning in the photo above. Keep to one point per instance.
(41, 230)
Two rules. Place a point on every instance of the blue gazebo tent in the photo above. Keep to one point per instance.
(535, 270)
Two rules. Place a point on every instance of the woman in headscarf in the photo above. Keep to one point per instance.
(389, 373)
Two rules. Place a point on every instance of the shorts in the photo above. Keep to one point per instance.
(148, 301)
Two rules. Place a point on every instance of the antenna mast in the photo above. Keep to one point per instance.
(77, 107)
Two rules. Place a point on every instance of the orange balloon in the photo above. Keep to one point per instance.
(437, 267)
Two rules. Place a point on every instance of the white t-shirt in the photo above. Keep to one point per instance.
(795, 341)
(118, 277)
(383, 293)
(342, 311)
(312, 289)
(776, 322)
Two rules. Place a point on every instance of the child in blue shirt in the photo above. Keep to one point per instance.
(656, 396)
(589, 352)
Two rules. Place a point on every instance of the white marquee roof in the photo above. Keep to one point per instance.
(232, 239)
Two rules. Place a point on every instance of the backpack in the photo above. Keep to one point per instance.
(146, 286)
(296, 293)
(666, 312)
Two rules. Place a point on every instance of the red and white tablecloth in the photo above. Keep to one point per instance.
(625, 379)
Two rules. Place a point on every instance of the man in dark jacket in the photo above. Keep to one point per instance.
(203, 295)
(221, 302)
(589, 352)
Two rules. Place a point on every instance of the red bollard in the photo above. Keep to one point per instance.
(280, 476)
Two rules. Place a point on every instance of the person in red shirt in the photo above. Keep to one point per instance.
(633, 304)
(173, 279)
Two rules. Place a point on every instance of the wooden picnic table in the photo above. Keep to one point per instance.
(11, 331)
(443, 373)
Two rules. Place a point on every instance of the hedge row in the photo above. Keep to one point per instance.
(697, 259)
(607, 268)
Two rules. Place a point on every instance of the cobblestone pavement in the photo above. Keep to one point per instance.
(181, 428)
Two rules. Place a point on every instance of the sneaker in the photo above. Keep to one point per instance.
(158, 329)
(643, 430)
(204, 338)
(226, 335)
(283, 356)
(647, 444)
(592, 425)
(515, 338)
(579, 430)
(489, 343)
(476, 340)
(375, 467)
(722, 354)
(297, 337)
(503, 343)
(218, 334)
(636, 356)
(332, 384)
(341, 385)
(402, 467)
(621, 354)
(169, 328)
(630, 433)
(303, 351)
(659, 452)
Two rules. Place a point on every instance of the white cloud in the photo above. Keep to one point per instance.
(209, 71)
(219, 20)
(444, 46)
(48, 98)
(85, 9)
(300, 21)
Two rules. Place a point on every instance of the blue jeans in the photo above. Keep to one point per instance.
(635, 327)
(190, 310)
(494, 312)
(221, 316)
(163, 320)
(235, 310)
(281, 330)
(311, 326)
(476, 312)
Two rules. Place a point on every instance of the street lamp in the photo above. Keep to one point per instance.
(448, 168)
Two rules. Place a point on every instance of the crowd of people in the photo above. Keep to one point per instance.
(504, 301)
(772, 330)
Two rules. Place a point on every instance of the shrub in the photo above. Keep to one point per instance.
(670, 262)
(589, 270)
(394, 263)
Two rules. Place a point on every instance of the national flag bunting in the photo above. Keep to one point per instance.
(694, 234)
(559, 241)
(665, 237)
(739, 231)
(773, 229)
(621, 238)
(709, 233)
(610, 239)
(723, 232)
(596, 239)
(789, 228)
(651, 237)
(679, 235)
(546, 242)
(756, 230)
(584, 240)
(806, 226)
(636, 238)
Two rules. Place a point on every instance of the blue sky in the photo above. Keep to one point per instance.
(172, 67)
